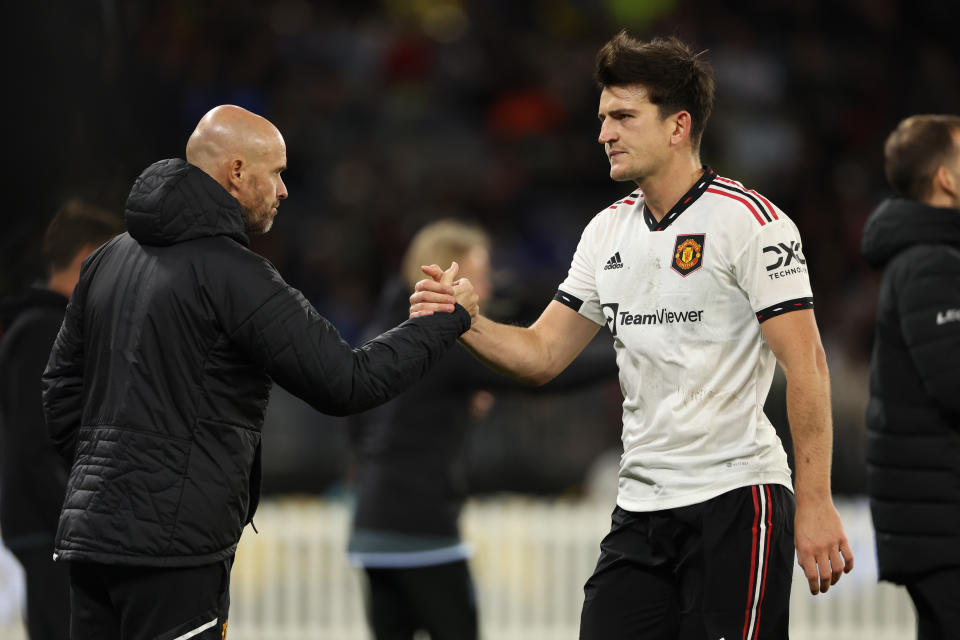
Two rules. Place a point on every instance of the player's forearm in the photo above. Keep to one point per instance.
(808, 411)
(511, 350)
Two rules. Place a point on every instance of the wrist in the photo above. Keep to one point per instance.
(812, 495)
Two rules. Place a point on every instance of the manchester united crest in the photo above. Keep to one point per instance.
(688, 253)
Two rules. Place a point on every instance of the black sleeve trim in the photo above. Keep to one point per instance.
(784, 307)
(571, 301)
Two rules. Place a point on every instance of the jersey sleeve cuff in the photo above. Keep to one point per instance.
(784, 307)
(571, 301)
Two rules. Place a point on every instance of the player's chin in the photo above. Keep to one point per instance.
(620, 175)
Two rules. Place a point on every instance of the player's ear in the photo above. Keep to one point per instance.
(681, 121)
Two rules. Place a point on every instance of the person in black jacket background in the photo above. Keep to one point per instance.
(913, 418)
(158, 381)
(33, 477)
(412, 477)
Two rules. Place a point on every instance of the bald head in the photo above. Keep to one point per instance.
(245, 154)
(228, 132)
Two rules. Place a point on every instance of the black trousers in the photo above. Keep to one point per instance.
(936, 597)
(439, 599)
(48, 593)
(718, 569)
(147, 603)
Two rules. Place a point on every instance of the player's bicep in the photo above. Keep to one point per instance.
(795, 340)
(563, 333)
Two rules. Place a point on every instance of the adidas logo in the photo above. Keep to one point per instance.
(614, 262)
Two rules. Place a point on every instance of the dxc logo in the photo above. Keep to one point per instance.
(784, 254)
(610, 313)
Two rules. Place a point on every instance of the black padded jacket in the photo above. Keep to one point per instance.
(158, 380)
(913, 417)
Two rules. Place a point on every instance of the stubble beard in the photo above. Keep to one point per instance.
(258, 222)
(628, 172)
(630, 175)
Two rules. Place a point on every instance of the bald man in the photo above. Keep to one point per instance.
(245, 154)
(157, 384)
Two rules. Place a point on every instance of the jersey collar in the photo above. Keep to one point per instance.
(682, 204)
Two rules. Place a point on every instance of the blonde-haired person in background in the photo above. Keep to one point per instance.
(412, 474)
(448, 240)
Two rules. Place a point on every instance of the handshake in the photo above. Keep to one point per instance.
(441, 291)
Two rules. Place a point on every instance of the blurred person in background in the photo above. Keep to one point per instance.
(412, 476)
(913, 418)
(33, 477)
(158, 381)
(704, 288)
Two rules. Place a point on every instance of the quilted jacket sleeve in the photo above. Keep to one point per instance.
(929, 308)
(304, 353)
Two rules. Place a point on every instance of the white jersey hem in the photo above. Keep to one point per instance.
(697, 497)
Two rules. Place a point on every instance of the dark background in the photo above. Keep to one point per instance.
(399, 112)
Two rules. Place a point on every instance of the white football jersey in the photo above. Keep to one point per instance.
(684, 299)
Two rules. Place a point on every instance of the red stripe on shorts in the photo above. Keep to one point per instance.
(766, 558)
(753, 562)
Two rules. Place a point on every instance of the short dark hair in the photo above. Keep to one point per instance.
(675, 78)
(915, 150)
(76, 225)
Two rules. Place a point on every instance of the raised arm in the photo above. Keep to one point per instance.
(534, 354)
(822, 548)
(304, 353)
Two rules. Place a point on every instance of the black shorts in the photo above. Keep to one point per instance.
(718, 569)
(149, 603)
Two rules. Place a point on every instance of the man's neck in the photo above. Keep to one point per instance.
(62, 282)
(943, 200)
(663, 190)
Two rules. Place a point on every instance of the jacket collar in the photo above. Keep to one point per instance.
(899, 223)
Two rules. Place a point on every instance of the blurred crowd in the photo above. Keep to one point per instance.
(399, 112)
